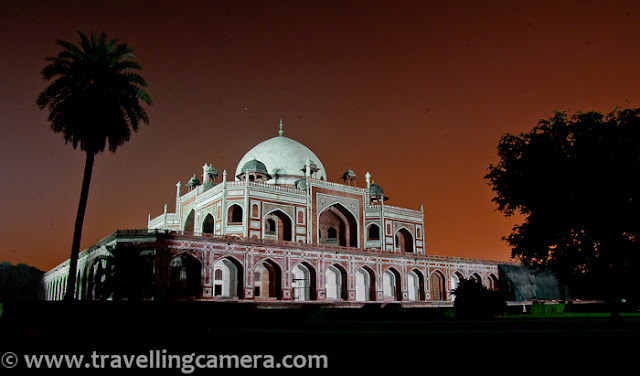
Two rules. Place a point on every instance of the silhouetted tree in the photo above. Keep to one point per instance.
(94, 100)
(20, 282)
(575, 182)
(474, 301)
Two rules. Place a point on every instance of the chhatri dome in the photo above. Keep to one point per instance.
(285, 160)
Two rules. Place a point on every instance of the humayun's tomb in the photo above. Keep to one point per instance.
(276, 230)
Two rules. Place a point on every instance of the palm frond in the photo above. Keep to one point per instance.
(95, 94)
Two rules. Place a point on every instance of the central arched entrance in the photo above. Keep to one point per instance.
(337, 226)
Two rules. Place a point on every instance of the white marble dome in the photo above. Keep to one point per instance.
(285, 160)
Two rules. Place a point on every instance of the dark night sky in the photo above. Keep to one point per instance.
(417, 93)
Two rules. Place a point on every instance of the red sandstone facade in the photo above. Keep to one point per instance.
(280, 231)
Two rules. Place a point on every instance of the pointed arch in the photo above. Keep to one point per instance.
(208, 224)
(270, 226)
(234, 214)
(373, 231)
(492, 283)
(365, 284)
(185, 276)
(373, 236)
(279, 224)
(303, 282)
(454, 282)
(189, 222)
(337, 225)
(101, 274)
(438, 291)
(415, 285)
(227, 278)
(404, 240)
(336, 282)
(391, 285)
(267, 280)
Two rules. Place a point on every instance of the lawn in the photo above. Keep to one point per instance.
(370, 338)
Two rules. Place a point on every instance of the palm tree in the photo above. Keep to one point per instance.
(94, 99)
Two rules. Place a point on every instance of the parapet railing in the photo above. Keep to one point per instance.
(277, 188)
(393, 208)
(318, 182)
(284, 243)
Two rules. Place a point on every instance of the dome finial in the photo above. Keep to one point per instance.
(281, 132)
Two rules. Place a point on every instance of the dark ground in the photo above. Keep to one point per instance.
(371, 338)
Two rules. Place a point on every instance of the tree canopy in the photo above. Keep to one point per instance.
(94, 100)
(95, 94)
(575, 181)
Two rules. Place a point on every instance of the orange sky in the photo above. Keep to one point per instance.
(416, 92)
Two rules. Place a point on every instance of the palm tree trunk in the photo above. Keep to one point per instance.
(77, 231)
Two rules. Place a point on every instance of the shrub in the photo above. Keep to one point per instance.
(546, 309)
(474, 301)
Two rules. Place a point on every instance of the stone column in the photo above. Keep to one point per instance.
(223, 214)
(245, 212)
(164, 219)
(178, 188)
(248, 283)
